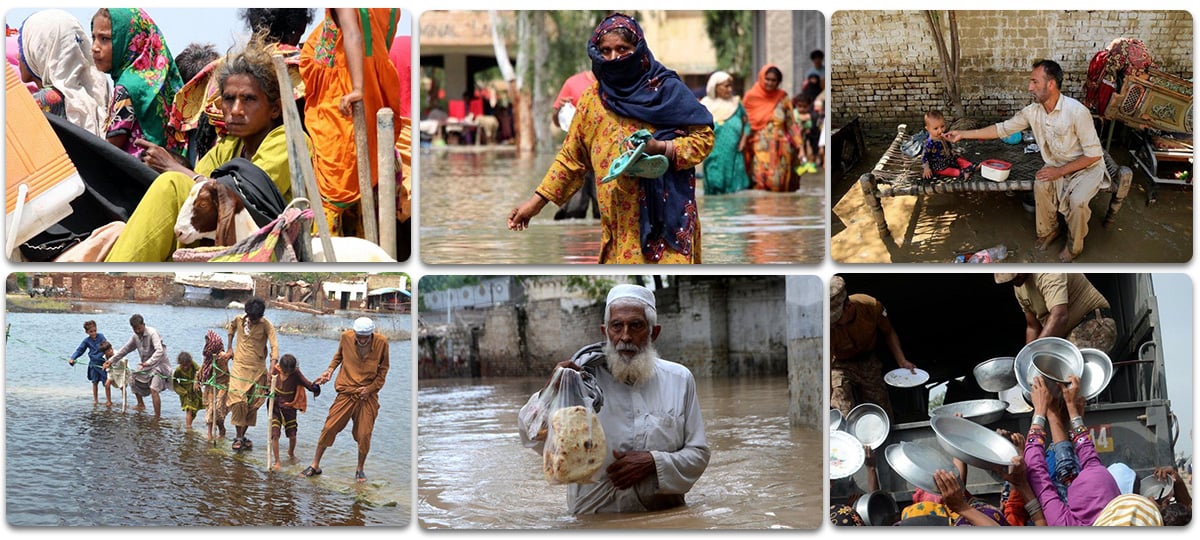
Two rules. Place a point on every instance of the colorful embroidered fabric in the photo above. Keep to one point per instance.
(51, 101)
(144, 66)
(200, 98)
(325, 70)
(638, 87)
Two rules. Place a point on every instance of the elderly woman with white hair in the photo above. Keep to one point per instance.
(657, 448)
(725, 166)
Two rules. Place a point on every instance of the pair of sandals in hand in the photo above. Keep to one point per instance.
(635, 161)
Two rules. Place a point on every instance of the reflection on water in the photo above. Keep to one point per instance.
(466, 197)
(473, 472)
(71, 463)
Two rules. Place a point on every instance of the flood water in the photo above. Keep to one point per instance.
(69, 463)
(473, 472)
(466, 196)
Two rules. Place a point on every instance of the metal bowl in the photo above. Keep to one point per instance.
(835, 419)
(980, 411)
(877, 508)
(869, 424)
(1097, 372)
(1057, 368)
(916, 463)
(1156, 489)
(846, 455)
(1057, 356)
(972, 443)
(996, 375)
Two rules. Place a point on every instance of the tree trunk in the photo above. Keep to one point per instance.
(540, 110)
(949, 57)
(523, 98)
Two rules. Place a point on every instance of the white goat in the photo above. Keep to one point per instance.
(213, 210)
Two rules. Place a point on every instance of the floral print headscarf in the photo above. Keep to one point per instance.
(142, 63)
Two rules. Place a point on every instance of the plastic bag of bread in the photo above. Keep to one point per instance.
(534, 417)
(575, 447)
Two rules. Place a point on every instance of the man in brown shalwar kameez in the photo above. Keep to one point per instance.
(248, 370)
(363, 357)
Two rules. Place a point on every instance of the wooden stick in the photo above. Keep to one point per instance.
(304, 180)
(366, 194)
(270, 419)
(385, 155)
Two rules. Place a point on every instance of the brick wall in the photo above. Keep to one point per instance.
(101, 287)
(885, 68)
(147, 288)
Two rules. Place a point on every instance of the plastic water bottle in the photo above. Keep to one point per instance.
(989, 255)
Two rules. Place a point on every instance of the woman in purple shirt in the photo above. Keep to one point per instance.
(1094, 486)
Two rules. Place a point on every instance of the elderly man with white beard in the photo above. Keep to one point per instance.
(651, 415)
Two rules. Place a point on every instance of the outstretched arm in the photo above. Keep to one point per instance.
(893, 342)
(988, 132)
(565, 176)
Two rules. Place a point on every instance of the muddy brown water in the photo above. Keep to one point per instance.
(473, 472)
(70, 463)
(937, 227)
(466, 196)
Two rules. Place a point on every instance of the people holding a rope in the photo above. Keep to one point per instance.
(95, 370)
(214, 383)
(363, 356)
(249, 337)
(183, 382)
(153, 374)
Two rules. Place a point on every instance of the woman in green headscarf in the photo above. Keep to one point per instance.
(127, 44)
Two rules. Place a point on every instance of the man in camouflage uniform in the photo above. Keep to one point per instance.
(857, 323)
(1065, 306)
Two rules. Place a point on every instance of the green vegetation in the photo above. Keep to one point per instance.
(23, 303)
(729, 32)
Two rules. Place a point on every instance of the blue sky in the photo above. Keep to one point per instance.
(181, 26)
(1174, 292)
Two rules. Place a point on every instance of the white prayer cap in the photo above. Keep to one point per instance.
(1124, 477)
(637, 292)
(364, 326)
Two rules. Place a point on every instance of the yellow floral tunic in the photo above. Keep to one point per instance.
(594, 141)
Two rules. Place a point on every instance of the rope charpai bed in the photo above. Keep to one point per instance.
(897, 174)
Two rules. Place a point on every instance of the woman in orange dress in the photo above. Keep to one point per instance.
(642, 220)
(344, 61)
(774, 136)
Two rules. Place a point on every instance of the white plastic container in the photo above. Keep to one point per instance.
(995, 170)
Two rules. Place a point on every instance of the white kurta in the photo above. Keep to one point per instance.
(155, 365)
(1064, 134)
(662, 416)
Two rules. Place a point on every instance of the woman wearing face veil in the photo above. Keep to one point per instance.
(643, 220)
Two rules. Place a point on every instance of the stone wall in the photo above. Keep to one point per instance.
(717, 326)
(885, 67)
(806, 351)
(500, 342)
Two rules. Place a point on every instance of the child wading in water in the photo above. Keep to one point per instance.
(214, 382)
(289, 398)
(939, 157)
(95, 369)
(183, 381)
